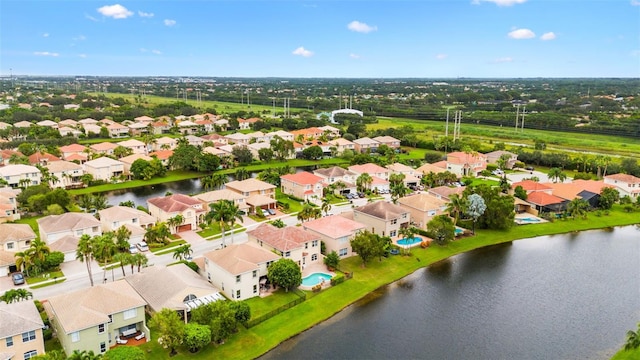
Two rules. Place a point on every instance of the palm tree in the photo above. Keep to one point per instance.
(175, 222)
(364, 181)
(224, 212)
(326, 206)
(99, 201)
(24, 260)
(138, 259)
(456, 206)
(215, 181)
(84, 253)
(241, 174)
(84, 355)
(578, 208)
(39, 251)
(556, 174)
(309, 212)
(397, 191)
(124, 259)
(14, 295)
(183, 252)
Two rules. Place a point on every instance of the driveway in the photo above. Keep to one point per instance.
(192, 237)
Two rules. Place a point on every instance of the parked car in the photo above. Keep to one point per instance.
(142, 246)
(361, 194)
(530, 168)
(18, 278)
(133, 249)
(271, 211)
(265, 212)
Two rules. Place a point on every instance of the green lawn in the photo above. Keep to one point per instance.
(159, 250)
(169, 177)
(260, 306)
(251, 343)
(294, 205)
(627, 354)
(214, 229)
(49, 275)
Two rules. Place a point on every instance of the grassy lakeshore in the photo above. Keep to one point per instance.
(251, 343)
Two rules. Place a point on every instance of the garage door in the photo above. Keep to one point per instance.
(185, 227)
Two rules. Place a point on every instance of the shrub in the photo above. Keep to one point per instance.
(316, 288)
(337, 279)
(39, 306)
(519, 164)
(193, 266)
(628, 208)
(47, 334)
(491, 167)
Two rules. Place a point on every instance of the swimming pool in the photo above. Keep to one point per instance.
(315, 279)
(410, 241)
(458, 231)
(528, 220)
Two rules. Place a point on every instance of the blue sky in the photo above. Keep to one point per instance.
(379, 38)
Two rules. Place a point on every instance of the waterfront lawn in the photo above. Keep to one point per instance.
(260, 306)
(169, 177)
(627, 354)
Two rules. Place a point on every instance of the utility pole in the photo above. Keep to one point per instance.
(524, 111)
(517, 115)
(446, 128)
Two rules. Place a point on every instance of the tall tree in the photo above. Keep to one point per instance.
(285, 273)
(241, 174)
(366, 245)
(441, 229)
(175, 222)
(364, 181)
(225, 213)
(85, 254)
(170, 329)
(326, 206)
(608, 197)
(556, 174)
(457, 205)
(475, 208)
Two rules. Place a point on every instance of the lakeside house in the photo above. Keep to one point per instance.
(191, 209)
(290, 242)
(336, 232)
(20, 175)
(260, 194)
(104, 168)
(238, 270)
(627, 185)
(382, 218)
(422, 208)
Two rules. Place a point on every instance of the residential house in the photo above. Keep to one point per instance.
(238, 139)
(138, 128)
(69, 122)
(258, 137)
(588, 190)
(214, 196)
(54, 227)
(379, 175)
(92, 319)
(290, 242)
(335, 175)
(427, 168)
(627, 185)
(533, 186)
(103, 148)
(127, 161)
(8, 205)
(444, 192)
(390, 141)
(195, 140)
(222, 124)
(245, 124)
(238, 269)
(366, 144)
(164, 143)
(284, 135)
(205, 125)
(260, 194)
(23, 124)
(104, 168)
(215, 138)
(65, 174)
(411, 176)
(175, 287)
(19, 175)
(163, 156)
(303, 185)
(118, 130)
(73, 149)
(144, 119)
(336, 232)
(92, 129)
(4, 125)
(342, 144)
(48, 123)
(464, 164)
(382, 218)
(137, 146)
(307, 134)
(21, 335)
(494, 156)
(160, 127)
(191, 209)
(13, 238)
(188, 127)
(6, 155)
(88, 121)
(69, 131)
(422, 207)
(542, 202)
(112, 218)
(330, 131)
(42, 158)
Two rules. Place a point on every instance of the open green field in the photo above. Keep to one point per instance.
(251, 343)
(613, 145)
(220, 106)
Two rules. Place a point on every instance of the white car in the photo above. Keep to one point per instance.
(142, 246)
(133, 249)
(265, 213)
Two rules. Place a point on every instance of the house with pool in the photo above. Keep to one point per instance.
(422, 207)
(239, 271)
(290, 242)
(336, 232)
(382, 218)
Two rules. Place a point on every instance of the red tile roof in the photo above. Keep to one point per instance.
(162, 154)
(544, 199)
(174, 203)
(302, 178)
(285, 239)
(37, 157)
(530, 186)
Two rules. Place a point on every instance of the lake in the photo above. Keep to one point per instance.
(571, 296)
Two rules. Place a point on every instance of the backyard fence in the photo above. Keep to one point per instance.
(302, 296)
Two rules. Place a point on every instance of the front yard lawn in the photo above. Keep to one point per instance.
(171, 244)
(46, 276)
(214, 229)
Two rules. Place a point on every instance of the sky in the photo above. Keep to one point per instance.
(322, 38)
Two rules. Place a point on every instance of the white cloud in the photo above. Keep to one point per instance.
(90, 17)
(521, 34)
(45, 35)
(169, 22)
(84, 56)
(79, 38)
(144, 14)
(503, 60)
(45, 53)
(116, 11)
(354, 56)
(441, 56)
(360, 27)
(302, 52)
(635, 3)
(548, 36)
(157, 52)
(499, 2)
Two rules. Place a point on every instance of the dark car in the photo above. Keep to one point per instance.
(271, 211)
(18, 278)
(530, 168)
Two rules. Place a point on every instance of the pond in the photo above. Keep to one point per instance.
(570, 296)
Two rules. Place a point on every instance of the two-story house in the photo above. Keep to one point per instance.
(118, 130)
(627, 185)
(260, 194)
(13, 238)
(390, 141)
(191, 209)
(366, 144)
(344, 179)
(411, 176)
(466, 164)
(303, 185)
(103, 148)
(382, 218)
(336, 231)
(73, 149)
(8, 205)
(94, 319)
(214, 196)
(238, 269)
(422, 207)
(494, 156)
(290, 242)
(54, 227)
(21, 334)
(104, 168)
(127, 161)
(136, 146)
(342, 144)
(379, 175)
(238, 139)
(164, 143)
(136, 221)
(19, 175)
(65, 174)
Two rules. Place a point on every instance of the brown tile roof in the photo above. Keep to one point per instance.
(67, 222)
(427, 168)
(334, 172)
(38, 157)
(446, 191)
(302, 178)
(174, 203)
(79, 157)
(19, 317)
(334, 226)
(162, 154)
(249, 185)
(543, 199)
(571, 190)
(59, 166)
(90, 307)
(368, 168)
(459, 157)
(241, 258)
(122, 213)
(285, 239)
(103, 146)
(65, 244)
(15, 232)
(381, 210)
